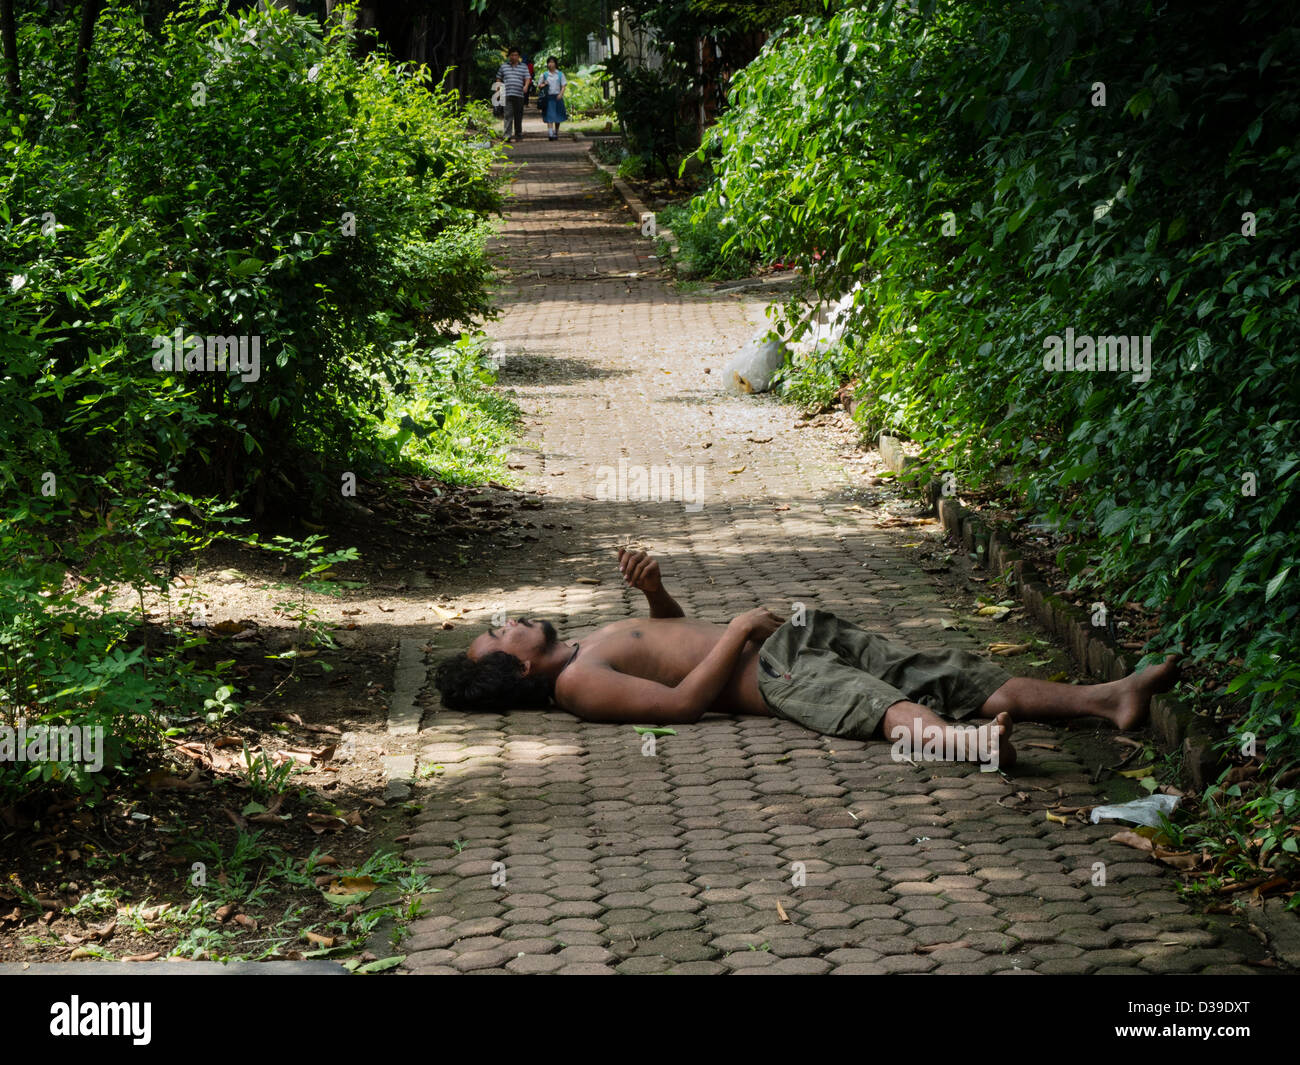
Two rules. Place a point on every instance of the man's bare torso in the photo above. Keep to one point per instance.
(665, 650)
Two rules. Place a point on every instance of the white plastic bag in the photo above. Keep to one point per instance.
(826, 324)
(1144, 811)
(751, 369)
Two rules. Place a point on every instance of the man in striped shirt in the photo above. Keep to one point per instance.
(517, 81)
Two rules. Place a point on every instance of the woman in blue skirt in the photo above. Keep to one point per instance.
(554, 84)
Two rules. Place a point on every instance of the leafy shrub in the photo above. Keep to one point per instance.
(610, 150)
(961, 162)
(813, 381)
(700, 243)
(648, 104)
(586, 91)
(252, 177)
(632, 166)
(207, 184)
(448, 422)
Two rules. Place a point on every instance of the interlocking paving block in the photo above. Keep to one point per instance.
(173, 968)
(619, 861)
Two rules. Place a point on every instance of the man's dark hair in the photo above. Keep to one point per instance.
(513, 51)
(496, 681)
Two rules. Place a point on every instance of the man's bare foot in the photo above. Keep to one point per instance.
(999, 732)
(1135, 691)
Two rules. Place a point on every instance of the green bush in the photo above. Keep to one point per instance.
(648, 104)
(585, 94)
(448, 422)
(702, 247)
(961, 163)
(223, 177)
(251, 177)
(610, 150)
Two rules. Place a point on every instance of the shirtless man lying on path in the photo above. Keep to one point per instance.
(826, 674)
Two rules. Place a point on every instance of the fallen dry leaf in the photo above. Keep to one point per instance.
(1131, 839)
(781, 911)
(930, 948)
(161, 780)
(104, 932)
(1177, 859)
(143, 957)
(1138, 774)
(351, 885)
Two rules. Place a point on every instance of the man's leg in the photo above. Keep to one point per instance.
(920, 729)
(1125, 703)
(518, 102)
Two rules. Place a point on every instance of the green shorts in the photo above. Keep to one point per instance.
(835, 678)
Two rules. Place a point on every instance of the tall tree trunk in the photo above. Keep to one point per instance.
(9, 38)
(85, 39)
(450, 47)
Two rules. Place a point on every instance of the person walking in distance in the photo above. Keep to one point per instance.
(513, 74)
(553, 84)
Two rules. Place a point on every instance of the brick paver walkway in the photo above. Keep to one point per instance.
(739, 845)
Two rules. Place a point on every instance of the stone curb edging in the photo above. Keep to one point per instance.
(404, 715)
(177, 967)
(1173, 722)
(630, 199)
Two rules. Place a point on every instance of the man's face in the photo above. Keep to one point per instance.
(514, 59)
(525, 638)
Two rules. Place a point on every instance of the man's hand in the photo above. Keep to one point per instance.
(640, 571)
(760, 623)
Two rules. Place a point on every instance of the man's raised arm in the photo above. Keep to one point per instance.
(641, 571)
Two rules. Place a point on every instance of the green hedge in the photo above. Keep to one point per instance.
(995, 174)
(224, 177)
